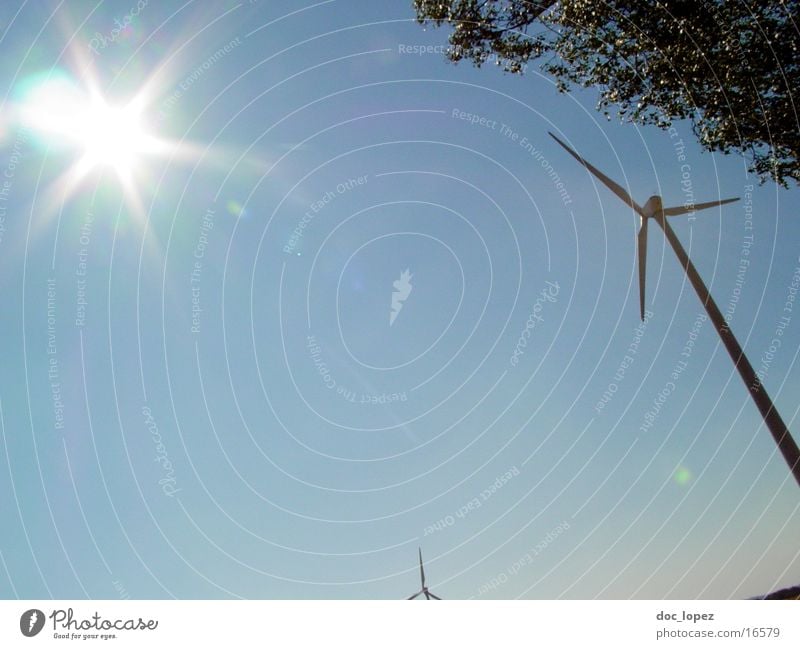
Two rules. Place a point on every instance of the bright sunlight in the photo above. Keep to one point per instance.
(104, 134)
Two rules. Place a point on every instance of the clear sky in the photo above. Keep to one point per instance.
(218, 380)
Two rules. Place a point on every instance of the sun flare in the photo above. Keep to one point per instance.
(100, 143)
(104, 135)
(113, 136)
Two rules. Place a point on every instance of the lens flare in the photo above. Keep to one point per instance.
(682, 476)
(64, 117)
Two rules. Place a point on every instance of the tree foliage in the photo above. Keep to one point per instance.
(730, 67)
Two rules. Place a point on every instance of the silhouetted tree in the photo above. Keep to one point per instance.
(730, 67)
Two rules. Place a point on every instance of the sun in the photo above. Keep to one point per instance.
(112, 136)
(102, 134)
(98, 141)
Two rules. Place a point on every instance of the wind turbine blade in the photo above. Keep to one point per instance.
(421, 571)
(642, 265)
(434, 596)
(414, 596)
(688, 209)
(614, 187)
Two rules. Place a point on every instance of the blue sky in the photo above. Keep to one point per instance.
(284, 440)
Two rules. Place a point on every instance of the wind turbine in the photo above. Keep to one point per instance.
(653, 209)
(428, 594)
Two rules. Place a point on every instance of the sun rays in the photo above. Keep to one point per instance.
(97, 140)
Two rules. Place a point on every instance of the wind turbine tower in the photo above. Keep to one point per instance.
(653, 209)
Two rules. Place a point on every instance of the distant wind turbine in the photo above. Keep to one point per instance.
(653, 209)
(428, 594)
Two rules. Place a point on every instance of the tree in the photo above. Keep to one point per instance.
(728, 66)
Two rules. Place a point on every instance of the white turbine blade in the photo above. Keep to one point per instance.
(688, 209)
(434, 596)
(421, 571)
(642, 240)
(414, 596)
(614, 187)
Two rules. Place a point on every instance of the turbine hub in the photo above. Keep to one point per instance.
(653, 206)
